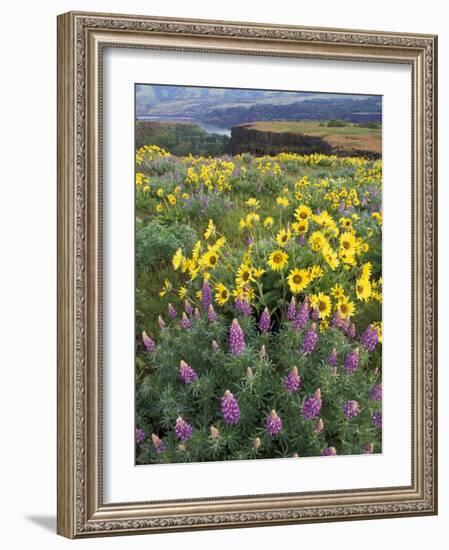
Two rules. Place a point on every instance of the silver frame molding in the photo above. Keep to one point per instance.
(81, 39)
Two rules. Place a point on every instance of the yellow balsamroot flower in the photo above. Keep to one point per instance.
(315, 272)
(177, 189)
(278, 260)
(185, 196)
(348, 242)
(282, 201)
(159, 207)
(268, 221)
(338, 292)
(345, 307)
(160, 192)
(303, 212)
(141, 179)
(377, 216)
(252, 203)
(196, 251)
(364, 247)
(377, 326)
(363, 289)
(317, 241)
(283, 237)
(367, 269)
(324, 325)
(298, 279)
(300, 227)
(242, 223)
(347, 257)
(182, 292)
(171, 199)
(258, 272)
(209, 259)
(346, 222)
(166, 288)
(210, 231)
(330, 256)
(219, 243)
(177, 259)
(146, 188)
(298, 195)
(222, 294)
(244, 275)
(322, 303)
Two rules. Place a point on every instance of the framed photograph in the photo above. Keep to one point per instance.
(247, 278)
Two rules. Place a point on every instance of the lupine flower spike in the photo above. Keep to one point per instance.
(148, 342)
(230, 408)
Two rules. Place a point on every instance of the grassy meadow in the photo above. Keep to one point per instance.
(258, 304)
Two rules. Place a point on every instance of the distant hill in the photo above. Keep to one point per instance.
(227, 107)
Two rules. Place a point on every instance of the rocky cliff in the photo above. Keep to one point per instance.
(246, 139)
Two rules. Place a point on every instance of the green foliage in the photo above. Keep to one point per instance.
(336, 123)
(180, 138)
(156, 242)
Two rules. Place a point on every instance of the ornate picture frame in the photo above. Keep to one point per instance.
(82, 38)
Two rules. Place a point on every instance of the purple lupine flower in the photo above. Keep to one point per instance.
(236, 338)
(215, 346)
(351, 361)
(188, 308)
(302, 315)
(206, 201)
(329, 451)
(183, 429)
(249, 241)
(185, 321)
(206, 295)
(312, 405)
(376, 419)
(332, 358)
(273, 423)
(292, 381)
(376, 392)
(140, 436)
(351, 409)
(291, 309)
(172, 313)
(161, 322)
(243, 306)
(158, 444)
(369, 338)
(337, 320)
(230, 408)
(301, 239)
(148, 342)
(368, 448)
(350, 330)
(265, 321)
(310, 340)
(315, 315)
(211, 315)
(319, 426)
(197, 314)
(187, 373)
